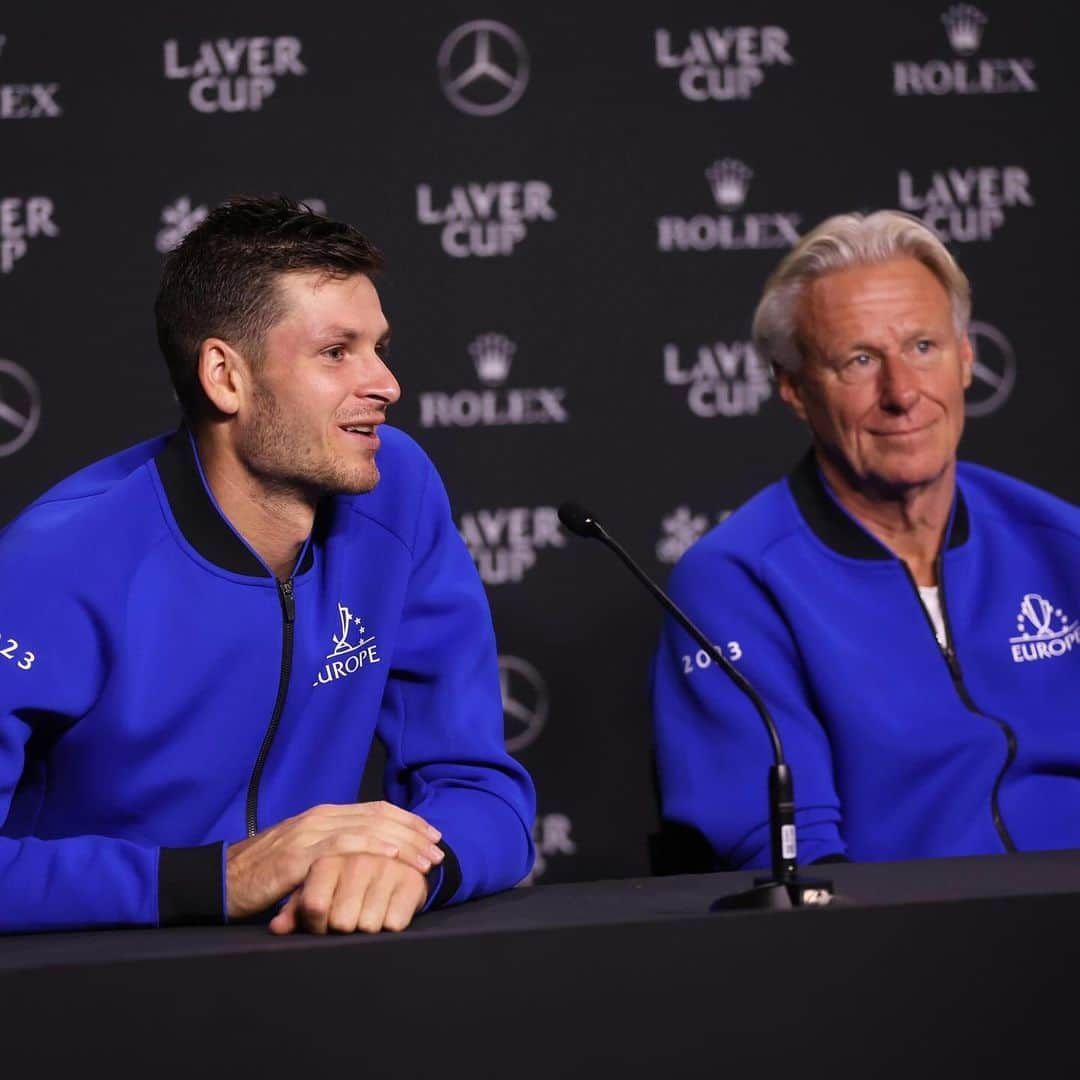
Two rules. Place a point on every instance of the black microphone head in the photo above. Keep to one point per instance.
(579, 521)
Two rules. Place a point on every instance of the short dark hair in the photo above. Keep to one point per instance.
(221, 280)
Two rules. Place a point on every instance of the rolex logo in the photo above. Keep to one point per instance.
(492, 354)
(730, 181)
(964, 26)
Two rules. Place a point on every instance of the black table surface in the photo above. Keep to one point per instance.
(946, 967)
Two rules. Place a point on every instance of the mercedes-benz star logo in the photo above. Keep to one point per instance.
(483, 68)
(524, 701)
(20, 408)
(993, 372)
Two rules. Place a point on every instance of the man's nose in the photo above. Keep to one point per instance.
(899, 384)
(378, 381)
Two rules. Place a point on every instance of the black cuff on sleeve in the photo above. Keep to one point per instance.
(190, 888)
(449, 880)
(835, 857)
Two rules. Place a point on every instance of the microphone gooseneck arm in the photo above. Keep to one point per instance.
(713, 650)
(782, 840)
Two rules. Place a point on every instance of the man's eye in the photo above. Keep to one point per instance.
(924, 345)
(336, 352)
(383, 349)
(861, 360)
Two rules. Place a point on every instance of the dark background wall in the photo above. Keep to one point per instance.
(577, 231)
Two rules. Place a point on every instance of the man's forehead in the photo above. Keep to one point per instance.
(323, 302)
(876, 295)
(322, 282)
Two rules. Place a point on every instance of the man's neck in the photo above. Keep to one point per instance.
(910, 522)
(274, 521)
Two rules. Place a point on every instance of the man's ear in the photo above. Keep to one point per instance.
(967, 360)
(223, 375)
(791, 392)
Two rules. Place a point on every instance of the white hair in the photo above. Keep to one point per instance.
(840, 243)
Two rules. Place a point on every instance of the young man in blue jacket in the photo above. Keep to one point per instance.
(204, 633)
(913, 623)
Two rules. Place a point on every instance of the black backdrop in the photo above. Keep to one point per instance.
(579, 207)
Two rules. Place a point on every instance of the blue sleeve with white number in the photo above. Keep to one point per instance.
(712, 749)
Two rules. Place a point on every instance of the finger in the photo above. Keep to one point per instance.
(420, 860)
(352, 885)
(372, 914)
(402, 835)
(388, 811)
(394, 842)
(407, 899)
(317, 893)
(332, 814)
(382, 821)
(284, 922)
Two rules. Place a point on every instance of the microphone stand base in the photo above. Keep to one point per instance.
(768, 893)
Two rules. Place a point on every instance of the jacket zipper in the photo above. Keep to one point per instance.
(948, 651)
(288, 615)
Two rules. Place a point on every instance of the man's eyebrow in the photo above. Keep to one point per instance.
(348, 333)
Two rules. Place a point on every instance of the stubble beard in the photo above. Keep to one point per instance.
(286, 462)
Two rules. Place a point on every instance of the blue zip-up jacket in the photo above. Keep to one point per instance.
(899, 749)
(162, 695)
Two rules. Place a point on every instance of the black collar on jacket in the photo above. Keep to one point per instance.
(840, 532)
(203, 525)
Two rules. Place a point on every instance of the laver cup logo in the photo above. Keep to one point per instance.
(483, 68)
(484, 219)
(722, 63)
(966, 204)
(21, 221)
(965, 26)
(20, 408)
(233, 74)
(721, 378)
(503, 542)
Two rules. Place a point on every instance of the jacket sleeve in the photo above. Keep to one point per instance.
(54, 661)
(713, 751)
(442, 723)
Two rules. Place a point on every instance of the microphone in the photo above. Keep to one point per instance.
(784, 888)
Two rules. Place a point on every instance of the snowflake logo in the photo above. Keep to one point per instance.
(179, 219)
(681, 530)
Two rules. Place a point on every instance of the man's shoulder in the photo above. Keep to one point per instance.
(744, 535)
(86, 505)
(1015, 502)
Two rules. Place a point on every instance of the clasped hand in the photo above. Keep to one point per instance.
(360, 866)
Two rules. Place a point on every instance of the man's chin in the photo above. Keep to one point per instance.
(341, 482)
(359, 483)
(895, 479)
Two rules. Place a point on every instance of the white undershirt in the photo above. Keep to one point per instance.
(931, 599)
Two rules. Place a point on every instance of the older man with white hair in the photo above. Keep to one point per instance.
(912, 622)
